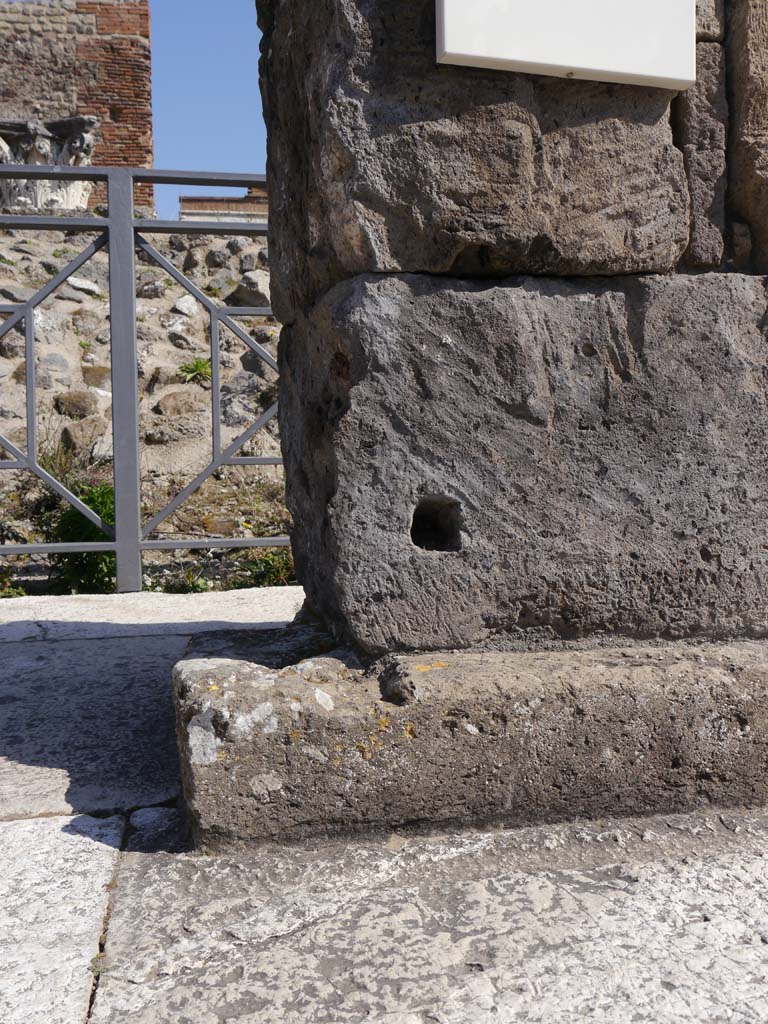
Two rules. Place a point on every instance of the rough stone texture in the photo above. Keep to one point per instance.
(320, 747)
(702, 126)
(659, 920)
(748, 73)
(710, 20)
(54, 875)
(381, 160)
(604, 443)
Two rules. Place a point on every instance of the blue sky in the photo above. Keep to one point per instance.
(207, 107)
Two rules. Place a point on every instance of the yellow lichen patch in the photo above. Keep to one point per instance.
(294, 736)
(410, 732)
(212, 688)
(440, 664)
(422, 668)
(384, 723)
(429, 668)
(340, 747)
(222, 755)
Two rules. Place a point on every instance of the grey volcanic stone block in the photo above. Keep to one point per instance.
(702, 116)
(381, 160)
(748, 73)
(465, 459)
(710, 20)
(321, 747)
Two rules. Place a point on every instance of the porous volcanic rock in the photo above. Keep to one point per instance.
(710, 20)
(468, 458)
(380, 160)
(748, 74)
(322, 747)
(702, 124)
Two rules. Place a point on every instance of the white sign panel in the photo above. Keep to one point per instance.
(641, 42)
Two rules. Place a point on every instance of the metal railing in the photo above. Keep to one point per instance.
(122, 235)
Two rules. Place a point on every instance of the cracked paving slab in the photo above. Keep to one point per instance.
(54, 889)
(87, 726)
(659, 920)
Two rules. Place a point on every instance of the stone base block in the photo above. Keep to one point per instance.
(325, 746)
(467, 459)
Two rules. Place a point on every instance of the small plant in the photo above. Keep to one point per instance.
(84, 344)
(195, 372)
(60, 254)
(6, 262)
(92, 571)
(7, 586)
(191, 581)
(271, 568)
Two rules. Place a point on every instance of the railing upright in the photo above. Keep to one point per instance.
(125, 398)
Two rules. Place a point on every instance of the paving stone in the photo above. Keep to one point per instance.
(54, 878)
(651, 920)
(87, 616)
(87, 726)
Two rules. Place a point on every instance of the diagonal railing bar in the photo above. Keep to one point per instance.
(176, 274)
(202, 298)
(248, 340)
(53, 284)
(9, 447)
(55, 485)
(217, 463)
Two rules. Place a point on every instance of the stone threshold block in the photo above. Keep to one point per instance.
(466, 459)
(325, 746)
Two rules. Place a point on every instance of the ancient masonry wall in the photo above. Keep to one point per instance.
(91, 57)
(523, 368)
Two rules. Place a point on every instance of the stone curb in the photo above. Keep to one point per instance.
(324, 747)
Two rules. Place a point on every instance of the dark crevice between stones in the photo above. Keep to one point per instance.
(96, 962)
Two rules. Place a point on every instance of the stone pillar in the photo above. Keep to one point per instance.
(505, 411)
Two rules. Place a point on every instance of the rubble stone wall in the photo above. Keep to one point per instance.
(91, 57)
(524, 354)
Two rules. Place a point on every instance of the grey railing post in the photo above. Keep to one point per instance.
(125, 398)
